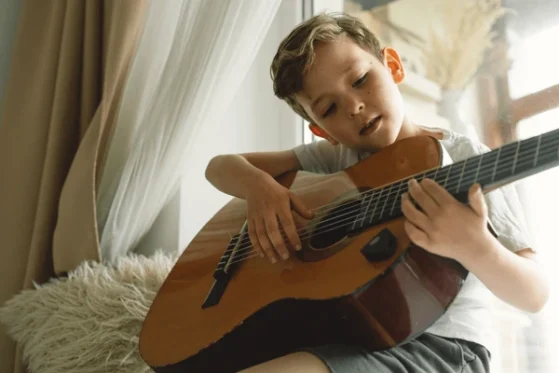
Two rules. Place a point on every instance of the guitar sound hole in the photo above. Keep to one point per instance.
(334, 226)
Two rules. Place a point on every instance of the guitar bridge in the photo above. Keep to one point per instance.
(222, 273)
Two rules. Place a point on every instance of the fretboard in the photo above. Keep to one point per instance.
(495, 168)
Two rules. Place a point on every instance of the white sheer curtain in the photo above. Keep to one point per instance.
(191, 60)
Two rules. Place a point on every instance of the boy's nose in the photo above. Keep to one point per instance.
(355, 107)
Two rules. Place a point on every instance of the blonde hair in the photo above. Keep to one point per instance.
(296, 52)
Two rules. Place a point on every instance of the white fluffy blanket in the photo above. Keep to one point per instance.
(90, 321)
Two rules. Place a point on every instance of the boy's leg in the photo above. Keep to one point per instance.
(428, 353)
(297, 362)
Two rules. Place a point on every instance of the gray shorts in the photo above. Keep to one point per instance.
(426, 354)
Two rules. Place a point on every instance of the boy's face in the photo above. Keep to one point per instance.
(352, 97)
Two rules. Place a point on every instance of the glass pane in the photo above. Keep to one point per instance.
(536, 62)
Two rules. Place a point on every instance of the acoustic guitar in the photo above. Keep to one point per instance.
(357, 279)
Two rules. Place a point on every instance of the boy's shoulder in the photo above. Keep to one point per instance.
(324, 158)
(461, 146)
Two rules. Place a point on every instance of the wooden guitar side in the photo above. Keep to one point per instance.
(269, 310)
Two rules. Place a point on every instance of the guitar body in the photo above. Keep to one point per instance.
(329, 292)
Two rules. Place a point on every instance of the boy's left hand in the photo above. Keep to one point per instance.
(445, 226)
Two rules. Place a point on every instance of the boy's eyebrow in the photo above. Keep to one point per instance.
(315, 102)
(350, 66)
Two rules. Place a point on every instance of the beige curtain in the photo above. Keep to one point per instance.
(69, 65)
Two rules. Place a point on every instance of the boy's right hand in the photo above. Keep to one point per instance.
(268, 205)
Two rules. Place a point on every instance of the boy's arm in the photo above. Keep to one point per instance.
(269, 204)
(449, 228)
(236, 174)
(516, 278)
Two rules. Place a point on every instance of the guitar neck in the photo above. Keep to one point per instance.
(493, 169)
(501, 166)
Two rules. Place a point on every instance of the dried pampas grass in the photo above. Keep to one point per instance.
(457, 44)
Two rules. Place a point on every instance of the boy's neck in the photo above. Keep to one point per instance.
(410, 129)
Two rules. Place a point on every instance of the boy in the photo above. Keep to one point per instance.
(332, 71)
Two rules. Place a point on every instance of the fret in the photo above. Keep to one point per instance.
(375, 192)
(461, 175)
(486, 167)
(496, 163)
(516, 156)
(477, 168)
(425, 175)
(440, 177)
(549, 149)
(367, 200)
(363, 210)
(504, 166)
(379, 198)
(447, 175)
(537, 151)
(470, 173)
(454, 176)
(386, 201)
(526, 155)
(519, 159)
(396, 199)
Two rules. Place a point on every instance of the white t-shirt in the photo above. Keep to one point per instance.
(469, 316)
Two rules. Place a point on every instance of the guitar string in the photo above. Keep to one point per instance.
(253, 253)
(245, 242)
(537, 138)
(244, 249)
(385, 198)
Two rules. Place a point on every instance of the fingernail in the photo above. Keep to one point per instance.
(273, 260)
(285, 255)
(298, 247)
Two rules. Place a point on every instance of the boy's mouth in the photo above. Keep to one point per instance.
(371, 126)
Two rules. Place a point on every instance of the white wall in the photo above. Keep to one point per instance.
(470, 111)
(256, 121)
(328, 6)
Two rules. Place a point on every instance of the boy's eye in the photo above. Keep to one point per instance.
(359, 82)
(328, 111)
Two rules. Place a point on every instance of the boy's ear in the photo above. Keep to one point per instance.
(319, 132)
(394, 64)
